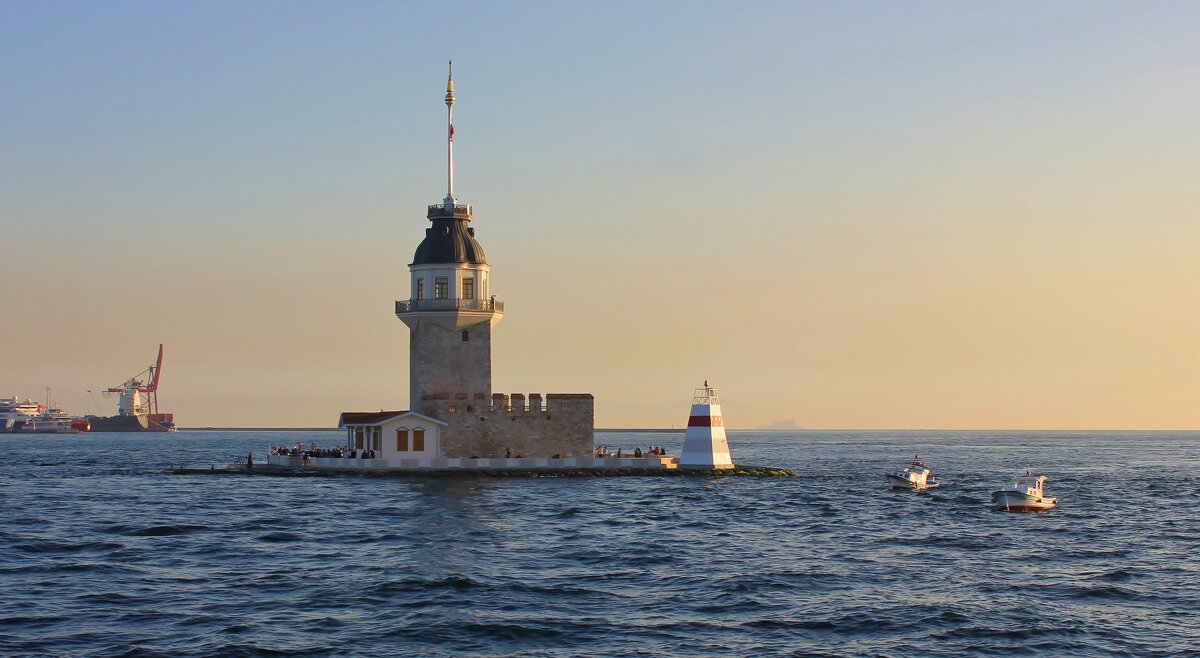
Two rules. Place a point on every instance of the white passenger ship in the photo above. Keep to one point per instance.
(14, 413)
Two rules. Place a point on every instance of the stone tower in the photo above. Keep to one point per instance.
(450, 311)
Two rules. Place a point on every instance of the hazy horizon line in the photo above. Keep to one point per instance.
(659, 430)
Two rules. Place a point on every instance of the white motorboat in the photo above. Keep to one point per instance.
(914, 477)
(1027, 493)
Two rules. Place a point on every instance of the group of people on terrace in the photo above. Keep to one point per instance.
(345, 452)
(652, 451)
(340, 452)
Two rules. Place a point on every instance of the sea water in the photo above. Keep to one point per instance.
(104, 553)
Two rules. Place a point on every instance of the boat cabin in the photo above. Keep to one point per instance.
(1030, 484)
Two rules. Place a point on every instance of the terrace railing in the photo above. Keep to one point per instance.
(440, 210)
(415, 305)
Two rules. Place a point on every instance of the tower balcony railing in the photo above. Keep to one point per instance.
(458, 210)
(414, 305)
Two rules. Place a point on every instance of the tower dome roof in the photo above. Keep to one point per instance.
(449, 241)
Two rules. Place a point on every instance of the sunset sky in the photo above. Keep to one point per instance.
(843, 215)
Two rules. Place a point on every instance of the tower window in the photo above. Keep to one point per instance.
(420, 288)
(466, 336)
(441, 288)
(468, 287)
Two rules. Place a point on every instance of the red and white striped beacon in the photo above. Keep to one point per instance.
(704, 443)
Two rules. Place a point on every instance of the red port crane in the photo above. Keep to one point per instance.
(135, 382)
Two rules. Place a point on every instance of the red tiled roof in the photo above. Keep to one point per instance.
(367, 417)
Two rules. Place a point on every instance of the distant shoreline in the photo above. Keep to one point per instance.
(642, 430)
(809, 430)
(258, 429)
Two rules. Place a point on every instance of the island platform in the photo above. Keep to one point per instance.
(581, 467)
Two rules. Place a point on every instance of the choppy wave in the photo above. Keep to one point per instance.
(105, 554)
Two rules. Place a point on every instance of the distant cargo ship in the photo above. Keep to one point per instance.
(137, 405)
(133, 423)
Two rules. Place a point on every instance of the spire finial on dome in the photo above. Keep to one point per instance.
(450, 139)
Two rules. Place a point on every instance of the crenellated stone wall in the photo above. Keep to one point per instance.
(514, 424)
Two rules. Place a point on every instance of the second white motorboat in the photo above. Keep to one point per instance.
(1027, 493)
(914, 477)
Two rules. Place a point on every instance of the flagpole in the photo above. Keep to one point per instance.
(450, 139)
